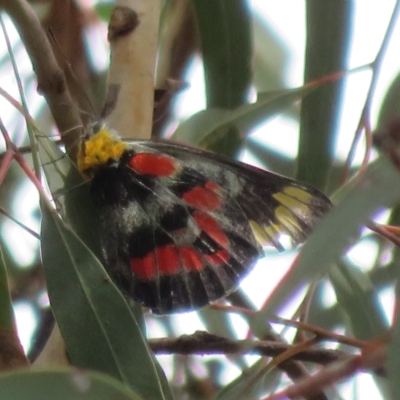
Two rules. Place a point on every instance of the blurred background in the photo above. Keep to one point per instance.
(278, 47)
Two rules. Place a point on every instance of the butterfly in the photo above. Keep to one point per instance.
(180, 227)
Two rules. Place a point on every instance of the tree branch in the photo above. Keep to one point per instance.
(206, 343)
(50, 77)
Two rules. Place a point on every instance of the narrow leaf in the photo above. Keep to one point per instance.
(200, 129)
(329, 33)
(225, 34)
(66, 384)
(6, 310)
(358, 299)
(95, 320)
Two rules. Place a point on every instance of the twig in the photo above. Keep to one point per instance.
(206, 343)
(371, 360)
(133, 35)
(385, 232)
(50, 77)
(321, 333)
(376, 66)
(20, 224)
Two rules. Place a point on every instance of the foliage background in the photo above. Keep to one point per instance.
(238, 52)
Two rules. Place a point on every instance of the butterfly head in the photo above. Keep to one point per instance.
(98, 149)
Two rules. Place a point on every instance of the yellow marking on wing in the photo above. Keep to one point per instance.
(259, 233)
(287, 219)
(267, 234)
(99, 149)
(293, 203)
(274, 230)
(299, 194)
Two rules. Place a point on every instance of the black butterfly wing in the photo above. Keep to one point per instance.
(273, 204)
(177, 238)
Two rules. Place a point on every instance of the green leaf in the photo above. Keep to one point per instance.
(329, 32)
(206, 127)
(393, 362)
(61, 173)
(62, 384)
(390, 110)
(6, 310)
(226, 42)
(393, 351)
(70, 193)
(225, 34)
(98, 327)
(359, 300)
(104, 10)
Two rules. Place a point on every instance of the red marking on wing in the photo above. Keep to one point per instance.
(164, 260)
(219, 258)
(168, 260)
(202, 198)
(171, 260)
(211, 227)
(144, 268)
(153, 164)
(191, 259)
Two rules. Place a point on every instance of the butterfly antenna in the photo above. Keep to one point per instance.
(19, 223)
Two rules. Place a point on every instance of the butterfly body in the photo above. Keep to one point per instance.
(180, 226)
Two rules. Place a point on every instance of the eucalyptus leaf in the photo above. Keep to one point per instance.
(359, 301)
(225, 34)
(62, 384)
(6, 310)
(329, 28)
(98, 326)
(201, 127)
